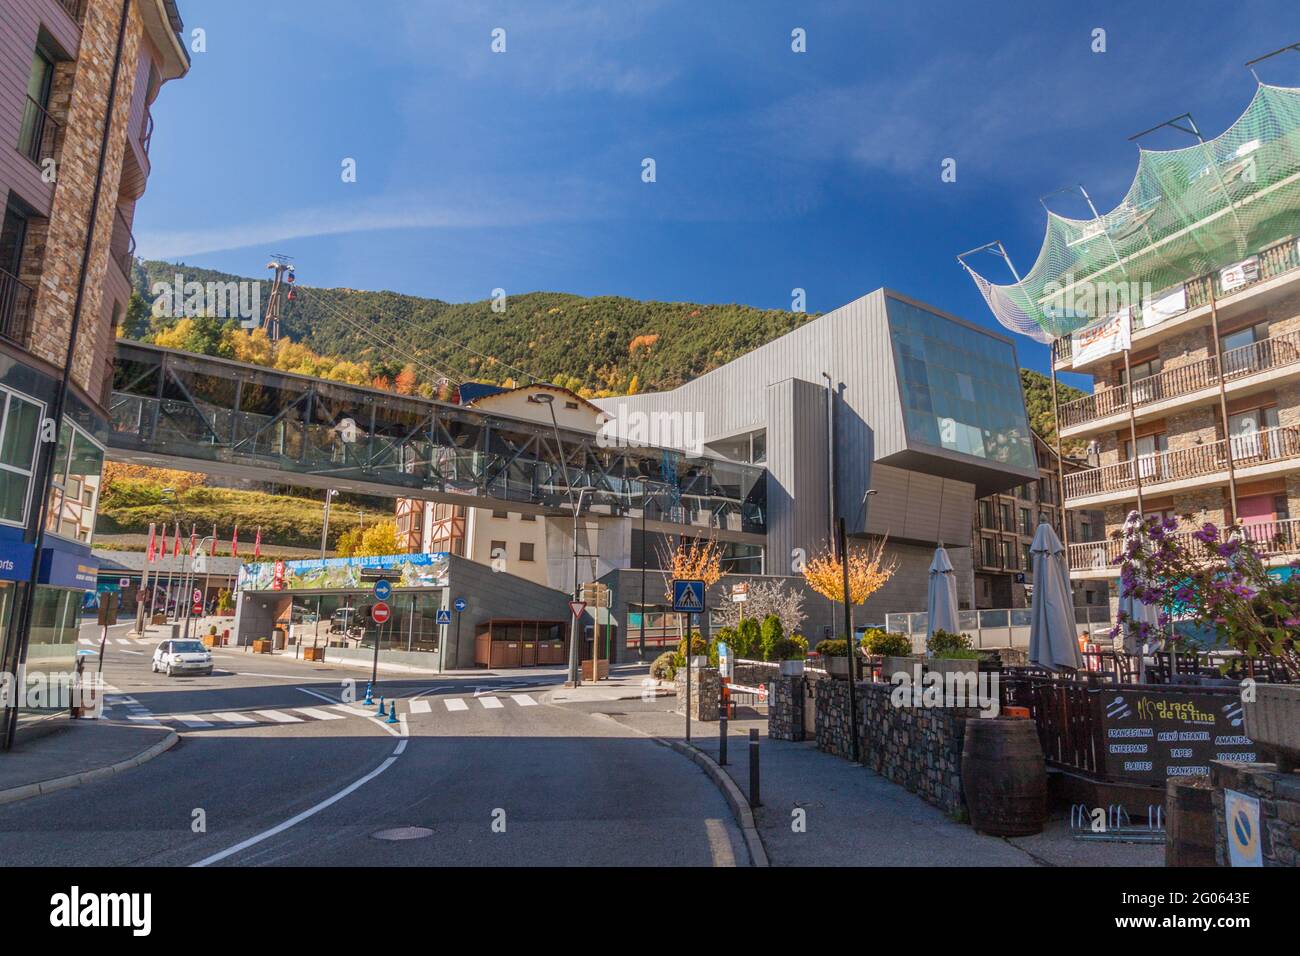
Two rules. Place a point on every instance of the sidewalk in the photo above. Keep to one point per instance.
(80, 752)
(854, 817)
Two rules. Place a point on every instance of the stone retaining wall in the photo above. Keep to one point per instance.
(785, 709)
(918, 748)
(1279, 809)
(705, 689)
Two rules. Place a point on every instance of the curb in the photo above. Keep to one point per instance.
(722, 780)
(14, 794)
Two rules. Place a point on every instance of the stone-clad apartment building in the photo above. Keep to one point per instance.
(57, 62)
(1217, 423)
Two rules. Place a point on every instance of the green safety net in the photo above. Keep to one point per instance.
(1188, 212)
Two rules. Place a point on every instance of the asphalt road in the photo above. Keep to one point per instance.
(478, 771)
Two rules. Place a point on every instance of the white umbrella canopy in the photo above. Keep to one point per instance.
(1052, 643)
(1131, 605)
(941, 603)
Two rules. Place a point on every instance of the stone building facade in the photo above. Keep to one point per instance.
(77, 79)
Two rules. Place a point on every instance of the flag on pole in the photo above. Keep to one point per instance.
(194, 539)
(234, 542)
(176, 544)
(153, 537)
(257, 544)
(214, 539)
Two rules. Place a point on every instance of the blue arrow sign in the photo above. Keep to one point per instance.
(444, 616)
(383, 590)
(688, 596)
(460, 604)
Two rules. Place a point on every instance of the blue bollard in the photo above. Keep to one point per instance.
(381, 708)
(392, 713)
(369, 701)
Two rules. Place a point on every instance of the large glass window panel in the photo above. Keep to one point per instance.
(75, 492)
(19, 423)
(960, 388)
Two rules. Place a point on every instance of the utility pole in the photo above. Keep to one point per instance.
(283, 266)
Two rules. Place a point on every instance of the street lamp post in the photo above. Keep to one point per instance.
(848, 623)
(575, 670)
(203, 544)
(324, 538)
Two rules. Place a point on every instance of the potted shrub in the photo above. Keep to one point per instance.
(262, 645)
(834, 653)
(894, 650)
(952, 653)
(790, 652)
(210, 639)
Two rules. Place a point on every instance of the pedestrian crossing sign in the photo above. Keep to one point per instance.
(688, 595)
(444, 616)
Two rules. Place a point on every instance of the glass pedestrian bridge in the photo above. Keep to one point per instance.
(201, 413)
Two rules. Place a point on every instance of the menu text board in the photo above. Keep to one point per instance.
(1152, 735)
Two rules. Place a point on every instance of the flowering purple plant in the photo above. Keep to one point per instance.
(1213, 578)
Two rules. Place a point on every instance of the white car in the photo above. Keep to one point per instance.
(182, 657)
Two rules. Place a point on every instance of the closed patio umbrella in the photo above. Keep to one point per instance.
(1052, 643)
(941, 603)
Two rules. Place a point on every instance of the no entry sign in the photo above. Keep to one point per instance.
(379, 612)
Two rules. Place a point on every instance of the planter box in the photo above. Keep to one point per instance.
(889, 666)
(836, 666)
(313, 654)
(262, 646)
(791, 668)
(940, 666)
(210, 640)
(1273, 722)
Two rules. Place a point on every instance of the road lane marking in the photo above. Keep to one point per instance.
(523, 700)
(279, 716)
(491, 703)
(189, 720)
(420, 707)
(455, 703)
(348, 708)
(121, 640)
(294, 821)
(234, 718)
(318, 714)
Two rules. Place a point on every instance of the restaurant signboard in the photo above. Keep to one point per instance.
(1153, 735)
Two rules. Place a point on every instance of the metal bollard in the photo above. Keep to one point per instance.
(754, 800)
(722, 738)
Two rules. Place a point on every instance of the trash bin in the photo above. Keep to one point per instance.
(278, 638)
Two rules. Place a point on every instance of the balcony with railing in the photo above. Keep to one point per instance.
(121, 246)
(1271, 539)
(1199, 461)
(74, 8)
(1265, 355)
(40, 135)
(16, 302)
(1276, 260)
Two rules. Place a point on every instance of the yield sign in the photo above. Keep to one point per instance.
(577, 607)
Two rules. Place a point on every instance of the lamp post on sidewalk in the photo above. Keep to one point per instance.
(848, 622)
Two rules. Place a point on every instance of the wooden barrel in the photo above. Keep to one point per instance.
(1003, 776)
(1189, 831)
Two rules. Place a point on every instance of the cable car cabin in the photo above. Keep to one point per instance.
(503, 642)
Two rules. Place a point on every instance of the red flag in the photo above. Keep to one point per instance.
(176, 545)
(153, 537)
(234, 542)
(257, 543)
(194, 539)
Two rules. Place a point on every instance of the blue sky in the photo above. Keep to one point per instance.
(775, 169)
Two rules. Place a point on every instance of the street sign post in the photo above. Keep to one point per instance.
(383, 590)
(688, 597)
(380, 613)
(444, 616)
(460, 605)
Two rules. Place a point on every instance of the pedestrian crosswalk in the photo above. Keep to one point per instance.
(137, 713)
(486, 702)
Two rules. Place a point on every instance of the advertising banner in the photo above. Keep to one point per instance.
(1166, 306)
(1239, 274)
(403, 570)
(1110, 335)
